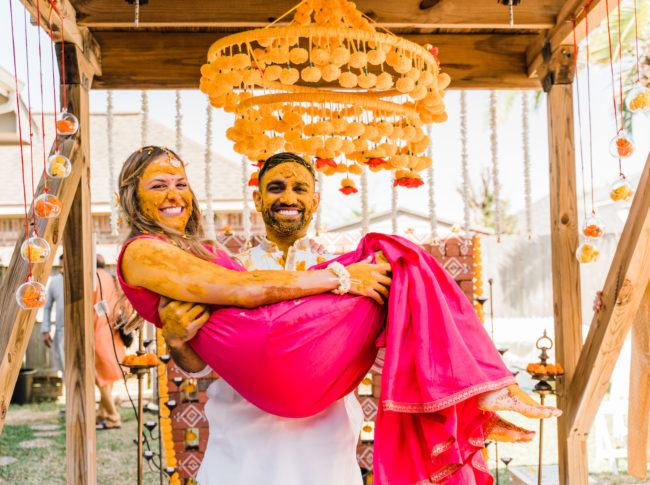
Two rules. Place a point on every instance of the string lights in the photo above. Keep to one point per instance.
(495, 164)
(464, 160)
(209, 216)
(433, 218)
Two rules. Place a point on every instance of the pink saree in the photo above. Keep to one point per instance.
(295, 358)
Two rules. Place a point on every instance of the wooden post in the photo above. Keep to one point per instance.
(78, 264)
(15, 324)
(638, 414)
(572, 451)
(622, 295)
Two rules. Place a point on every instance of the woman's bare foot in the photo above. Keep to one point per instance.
(513, 398)
(507, 432)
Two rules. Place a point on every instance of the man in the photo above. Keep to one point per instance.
(248, 445)
(55, 296)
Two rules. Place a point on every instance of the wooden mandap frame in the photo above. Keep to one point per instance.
(478, 48)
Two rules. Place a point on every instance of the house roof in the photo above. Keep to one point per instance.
(226, 174)
(385, 215)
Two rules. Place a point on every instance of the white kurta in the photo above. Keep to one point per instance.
(248, 446)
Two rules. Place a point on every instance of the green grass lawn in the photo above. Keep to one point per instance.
(116, 451)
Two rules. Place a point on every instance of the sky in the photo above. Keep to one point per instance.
(337, 207)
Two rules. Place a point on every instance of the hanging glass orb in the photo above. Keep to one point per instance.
(66, 124)
(58, 166)
(593, 227)
(639, 99)
(47, 206)
(621, 190)
(587, 253)
(31, 295)
(621, 145)
(35, 249)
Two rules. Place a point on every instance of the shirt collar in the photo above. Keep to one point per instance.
(271, 247)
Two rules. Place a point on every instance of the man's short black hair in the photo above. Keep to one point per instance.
(284, 157)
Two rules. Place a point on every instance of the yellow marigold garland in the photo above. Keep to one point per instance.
(478, 277)
(168, 451)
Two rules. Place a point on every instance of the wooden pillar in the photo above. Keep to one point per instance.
(572, 450)
(638, 414)
(78, 264)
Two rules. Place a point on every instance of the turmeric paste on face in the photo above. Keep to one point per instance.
(164, 194)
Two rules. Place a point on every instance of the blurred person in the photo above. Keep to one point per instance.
(55, 296)
(109, 348)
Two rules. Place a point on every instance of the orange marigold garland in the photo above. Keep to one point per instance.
(168, 450)
(284, 86)
(478, 277)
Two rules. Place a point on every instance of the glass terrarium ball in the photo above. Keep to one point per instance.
(66, 124)
(587, 253)
(621, 145)
(31, 295)
(47, 206)
(58, 166)
(35, 249)
(593, 227)
(621, 190)
(639, 99)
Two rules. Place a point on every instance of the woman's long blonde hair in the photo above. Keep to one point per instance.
(192, 240)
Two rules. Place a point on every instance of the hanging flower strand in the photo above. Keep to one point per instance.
(639, 97)
(209, 216)
(495, 164)
(30, 294)
(526, 148)
(464, 157)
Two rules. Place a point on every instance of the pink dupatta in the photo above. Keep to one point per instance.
(297, 357)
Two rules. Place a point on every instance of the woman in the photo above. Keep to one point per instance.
(109, 348)
(439, 389)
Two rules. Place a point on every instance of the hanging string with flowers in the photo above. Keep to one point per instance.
(433, 218)
(179, 121)
(393, 208)
(477, 258)
(638, 99)
(246, 210)
(525, 101)
(464, 161)
(365, 222)
(495, 164)
(112, 190)
(319, 211)
(593, 228)
(31, 294)
(209, 215)
(622, 145)
(166, 436)
(144, 124)
(57, 166)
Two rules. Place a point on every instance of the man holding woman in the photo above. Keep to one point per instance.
(296, 358)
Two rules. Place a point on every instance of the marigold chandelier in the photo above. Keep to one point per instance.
(329, 86)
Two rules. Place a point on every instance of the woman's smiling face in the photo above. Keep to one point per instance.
(164, 194)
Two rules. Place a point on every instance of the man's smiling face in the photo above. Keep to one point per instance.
(286, 199)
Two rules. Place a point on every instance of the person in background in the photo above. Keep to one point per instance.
(55, 297)
(109, 348)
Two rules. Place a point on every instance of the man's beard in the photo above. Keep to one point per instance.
(286, 227)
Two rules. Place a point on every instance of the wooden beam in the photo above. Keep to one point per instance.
(67, 29)
(460, 14)
(78, 281)
(166, 60)
(638, 411)
(16, 324)
(565, 269)
(562, 33)
(622, 294)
